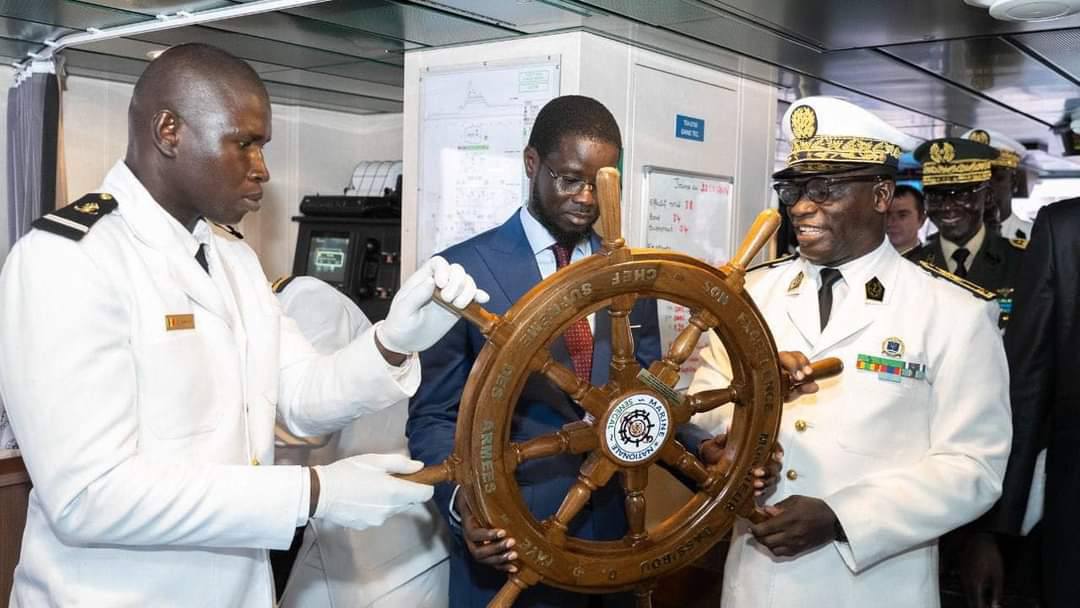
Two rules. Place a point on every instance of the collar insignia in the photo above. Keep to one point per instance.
(875, 290)
(794, 284)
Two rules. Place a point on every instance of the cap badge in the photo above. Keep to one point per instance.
(804, 122)
(980, 136)
(942, 153)
(892, 347)
(875, 290)
(89, 208)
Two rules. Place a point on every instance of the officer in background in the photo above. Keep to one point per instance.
(144, 360)
(906, 215)
(1043, 361)
(911, 440)
(956, 184)
(1003, 169)
(403, 562)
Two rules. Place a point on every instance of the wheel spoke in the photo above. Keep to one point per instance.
(683, 346)
(574, 438)
(710, 400)
(634, 482)
(590, 398)
(624, 366)
(594, 474)
(686, 463)
(516, 583)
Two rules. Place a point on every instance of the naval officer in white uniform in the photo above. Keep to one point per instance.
(144, 359)
(911, 440)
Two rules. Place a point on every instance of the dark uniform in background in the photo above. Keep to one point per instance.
(956, 183)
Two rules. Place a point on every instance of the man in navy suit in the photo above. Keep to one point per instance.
(572, 139)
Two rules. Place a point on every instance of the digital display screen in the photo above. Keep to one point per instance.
(327, 256)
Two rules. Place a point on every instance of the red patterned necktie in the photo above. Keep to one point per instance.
(579, 340)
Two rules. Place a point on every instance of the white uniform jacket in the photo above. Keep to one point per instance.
(141, 440)
(901, 458)
(337, 566)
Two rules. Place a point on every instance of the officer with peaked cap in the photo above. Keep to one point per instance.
(911, 440)
(1002, 181)
(956, 184)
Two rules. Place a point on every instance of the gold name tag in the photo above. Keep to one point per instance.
(175, 322)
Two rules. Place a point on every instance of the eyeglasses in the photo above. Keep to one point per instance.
(569, 186)
(939, 198)
(817, 189)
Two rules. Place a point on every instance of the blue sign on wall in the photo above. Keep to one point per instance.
(688, 127)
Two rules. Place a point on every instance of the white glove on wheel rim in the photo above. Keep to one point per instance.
(415, 322)
(359, 492)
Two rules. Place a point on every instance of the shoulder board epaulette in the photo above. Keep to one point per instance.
(941, 273)
(75, 220)
(773, 263)
(1020, 244)
(279, 285)
(230, 230)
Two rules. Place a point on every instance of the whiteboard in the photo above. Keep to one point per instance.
(689, 213)
(475, 125)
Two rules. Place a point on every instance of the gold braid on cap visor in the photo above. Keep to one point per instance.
(967, 172)
(841, 149)
(1007, 158)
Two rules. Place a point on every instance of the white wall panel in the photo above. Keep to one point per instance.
(311, 151)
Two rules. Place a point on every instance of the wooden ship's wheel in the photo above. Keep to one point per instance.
(632, 419)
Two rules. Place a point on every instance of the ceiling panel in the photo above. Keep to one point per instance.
(414, 24)
(139, 49)
(82, 62)
(844, 24)
(15, 49)
(528, 17)
(330, 82)
(331, 100)
(326, 35)
(66, 13)
(247, 47)
(156, 7)
(30, 31)
(1059, 49)
(365, 70)
(997, 69)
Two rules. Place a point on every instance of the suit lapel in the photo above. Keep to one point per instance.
(512, 265)
(510, 260)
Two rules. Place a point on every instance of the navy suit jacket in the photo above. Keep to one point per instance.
(502, 263)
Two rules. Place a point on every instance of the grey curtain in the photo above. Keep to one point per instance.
(32, 116)
(32, 128)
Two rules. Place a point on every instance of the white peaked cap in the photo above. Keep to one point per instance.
(829, 134)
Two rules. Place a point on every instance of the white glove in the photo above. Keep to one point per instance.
(415, 321)
(358, 492)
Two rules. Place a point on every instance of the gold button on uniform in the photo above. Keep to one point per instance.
(792, 475)
(800, 425)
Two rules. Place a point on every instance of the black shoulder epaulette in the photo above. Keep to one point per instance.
(75, 220)
(279, 285)
(774, 262)
(230, 230)
(1020, 244)
(941, 273)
